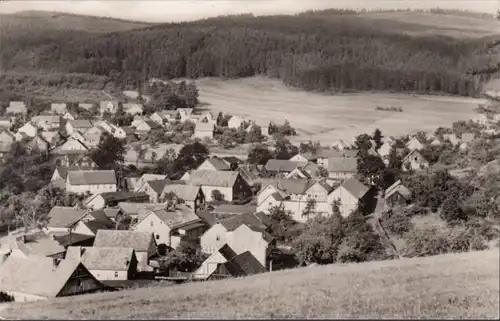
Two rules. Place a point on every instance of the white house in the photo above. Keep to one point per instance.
(414, 144)
(148, 177)
(16, 107)
(91, 181)
(192, 195)
(47, 122)
(72, 144)
(165, 116)
(385, 149)
(204, 130)
(170, 225)
(106, 263)
(214, 164)
(108, 106)
(342, 168)
(350, 193)
(415, 161)
(230, 184)
(143, 244)
(27, 130)
(58, 108)
(81, 125)
(235, 122)
(133, 109)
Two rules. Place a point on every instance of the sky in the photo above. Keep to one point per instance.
(185, 10)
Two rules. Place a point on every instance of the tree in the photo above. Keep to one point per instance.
(191, 156)
(377, 138)
(363, 142)
(310, 207)
(166, 164)
(322, 172)
(187, 257)
(255, 134)
(217, 195)
(370, 167)
(109, 153)
(309, 146)
(452, 212)
(284, 149)
(220, 117)
(259, 154)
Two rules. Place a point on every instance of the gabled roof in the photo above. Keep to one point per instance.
(63, 170)
(120, 196)
(158, 185)
(289, 186)
(213, 178)
(218, 164)
(178, 217)
(39, 244)
(36, 275)
(80, 123)
(232, 160)
(128, 106)
(139, 241)
(282, 165)
(134, 208)
(342, 164)
(397, 187)
(322, 153)
(244, 264)
(352, 153)
(62, 216)
(91, 177)
(150, 177)
(102, 258)
(182, 191)
(355, 188)
(73, 238)
(257, 222)
(96, 225)
(412, 153)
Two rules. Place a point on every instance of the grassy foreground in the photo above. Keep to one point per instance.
(457, 285)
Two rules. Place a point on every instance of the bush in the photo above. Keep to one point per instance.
(452, 212)
(396, 222)
(217, 195)
(4, 297)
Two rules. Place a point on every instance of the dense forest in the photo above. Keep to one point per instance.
(333, 51)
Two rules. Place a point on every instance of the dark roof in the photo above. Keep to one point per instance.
(218, 163)
(158, 185)
(355, 187)
(63, 216)
(92, 177)
(257, 222)
(122, 196)
(96, 225)
(207, 217)
(74, 238)
(244, 264)
(232, 160)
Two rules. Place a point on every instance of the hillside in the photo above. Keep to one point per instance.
(446, 286)
(327, 51)
(47, 21)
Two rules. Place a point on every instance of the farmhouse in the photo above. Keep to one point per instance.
(89, 224)
(350, 193)
(58, 108)
(47, 122)
(230, 184)
(145, 126)
(110, 199)
(39, 244)
(28, 129)
(106, 263)
(146, 178)
(414, 161)
(37, 142)
(143, 244)
(75, 159)
(91, 181)
(16, 107)
(81, 125)
(214, 164)
(39, 278)
(154, 188)
(281, 166)
(62, 218)
(108, 107)
(341, 168)
(397, 194)
(134, 209)
(192, 195)
(204, 130)
(165, 116)
(171, 225)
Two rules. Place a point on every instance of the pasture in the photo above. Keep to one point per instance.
(329, 117)
(446, 286)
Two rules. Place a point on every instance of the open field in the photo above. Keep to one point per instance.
(447, 286)
(327, 117)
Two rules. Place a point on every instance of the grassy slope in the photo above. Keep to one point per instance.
(447, 286)
(327, 118)
(64, 21)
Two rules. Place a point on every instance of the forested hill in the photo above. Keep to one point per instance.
(340, 50)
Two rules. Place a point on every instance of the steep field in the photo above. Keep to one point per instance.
(326, 117)
(447, 286)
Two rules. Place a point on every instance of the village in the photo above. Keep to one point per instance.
(126, 227)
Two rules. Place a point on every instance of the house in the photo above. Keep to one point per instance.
(214, 164)
(41, 278)
(235, 122)
(143, 244)
(414, 144)
(191, 195)
(58, 108)
(350, 153)
(71, 146)
(171, 225)
(341, 168)
(108, 107)
(69, 115)
(230, 184)
(91, 181)
(81, 125)
(339, 145)
(320, 156)
(245, 232)
(106, 263)
(91, 140)
(251, 173)
(72, 239)
(452, 138)
(62, 218)
(16, 107)
(28, 129)
(85, 106)
(80, 160)
(282, 166)
(7, 138)
(165, 116)
(110, 199)
(298, 173)
(86, 226)
(134, 210)
(350, 194)
(133, 109)
(312, 170)
(38, 142)
(146, 178)
(54, 138)
(415, 161)
(153, 154)
(385, 149)
(154, 189)
(397, 194)
(185, 113)
(61, 173)
(5, 122)
(145, 126)
(227, 210)
(233, 162)
(226, 263)
(204, 130)
(39, 244)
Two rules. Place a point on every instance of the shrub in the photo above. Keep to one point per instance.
(452, 212)
(217, 195)
(4, 297)
(396, 222)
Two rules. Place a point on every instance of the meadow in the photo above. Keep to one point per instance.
(462, 285)
(329, 117)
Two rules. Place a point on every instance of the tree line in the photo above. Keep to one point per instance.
(307, 51)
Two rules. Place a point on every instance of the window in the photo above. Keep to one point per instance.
(116, 274)
(79, 282)
(157, 237)
(217, 238)
(151, 223)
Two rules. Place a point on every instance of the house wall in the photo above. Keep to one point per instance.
(298, 158)
(93, 189)
(80, 282)
(28, 129)
(55, 176)
(234, 122)
(206, 165)
(72, 144)
(340, 175)
(348, 202)
(241, 189)
(81, 228)
(265, 193)
(142, 261)
(244, 239)
(143, 126)
(108, 275)
(97, 203)
(203, 133)
(209, 266)
(153, 196)
(154, 225)
(213, 238)
(226, 191)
